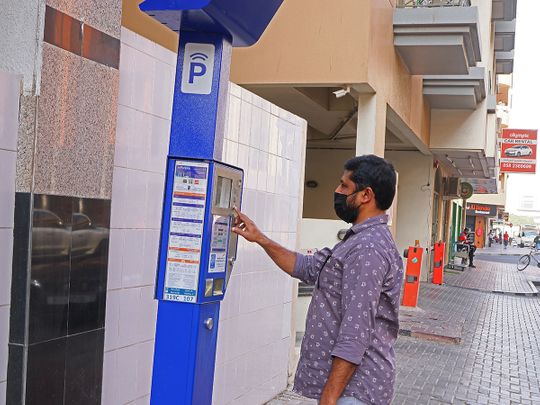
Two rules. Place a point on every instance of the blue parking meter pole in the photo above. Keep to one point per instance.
(186, 333)
(197, 247)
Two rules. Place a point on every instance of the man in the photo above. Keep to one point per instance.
(537, 241)
(506, 238)
(464, 240)
(347, 354)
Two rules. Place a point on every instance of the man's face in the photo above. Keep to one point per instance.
(346, 185)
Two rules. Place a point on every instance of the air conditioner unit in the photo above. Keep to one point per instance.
(452, 188)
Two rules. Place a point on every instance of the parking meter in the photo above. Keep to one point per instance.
(197, 247)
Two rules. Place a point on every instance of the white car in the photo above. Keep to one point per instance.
(519, 150)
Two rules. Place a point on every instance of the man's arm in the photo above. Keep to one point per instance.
(284, 258)
(341, 373)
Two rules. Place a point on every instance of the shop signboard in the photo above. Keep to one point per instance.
(486, 210)
(518, 150)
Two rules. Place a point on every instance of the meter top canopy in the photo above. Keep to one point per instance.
(244, 20)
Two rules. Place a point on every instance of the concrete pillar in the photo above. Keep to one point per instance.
(415, 203)
(371, 128)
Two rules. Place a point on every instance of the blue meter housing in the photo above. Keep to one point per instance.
(243, 20)
(197, 246)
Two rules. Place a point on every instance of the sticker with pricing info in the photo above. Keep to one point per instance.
(198, 68)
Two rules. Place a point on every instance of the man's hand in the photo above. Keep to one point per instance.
(340, 375)
(245, 227)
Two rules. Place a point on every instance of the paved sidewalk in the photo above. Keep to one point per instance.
(497, 249)
(492, 277)
(497, 361)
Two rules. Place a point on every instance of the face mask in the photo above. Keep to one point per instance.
(343, 210)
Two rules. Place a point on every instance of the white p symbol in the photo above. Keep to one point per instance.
(198, 68)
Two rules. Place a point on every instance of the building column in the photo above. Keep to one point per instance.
(68, 63)
(415, 203)
(371, 128)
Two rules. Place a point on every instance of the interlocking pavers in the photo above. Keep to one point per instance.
(498, 359)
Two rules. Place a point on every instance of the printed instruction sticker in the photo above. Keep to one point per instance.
(218, 248)
(186, 231)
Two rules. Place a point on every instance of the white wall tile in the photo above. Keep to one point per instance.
(235, 90)
(145, 357)
(9, 110)
(124, 131)
(136, 199)
(233, 118)
(133, 261)
(4, 334)
(262, 177)
(112, 320)
(116, 258)
(127, 77)
(109, 391)
(3, 393)
(6, 254)
(243, 160)
(255, 131)
(119, 197)
(128, 322)
(126, 377)
(150, 256)
(7, 188)
(154, 202)
(246, 111)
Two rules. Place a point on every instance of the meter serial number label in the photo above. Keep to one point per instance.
(186, 226)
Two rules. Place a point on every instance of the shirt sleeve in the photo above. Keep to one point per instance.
(363, 276)
(307, 267)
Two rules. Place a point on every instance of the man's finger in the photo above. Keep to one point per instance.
(238, 231)
(241, 215)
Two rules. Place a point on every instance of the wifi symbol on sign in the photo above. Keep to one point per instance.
(198, 56)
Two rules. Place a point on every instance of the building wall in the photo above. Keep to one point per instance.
(144, 109)
(309, 41)
(415, 201)
(325, 166)
(388, 75)
(9, 118)
(65, 143)
(254, 339)
(255, 320)
(348, 42)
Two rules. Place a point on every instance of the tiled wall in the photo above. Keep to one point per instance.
(255, 320)
(9, 110)
(145, 103)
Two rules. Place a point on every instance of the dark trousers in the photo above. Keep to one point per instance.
(471, 254)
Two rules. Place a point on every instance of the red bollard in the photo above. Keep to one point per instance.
(412, 275)
(438, 263)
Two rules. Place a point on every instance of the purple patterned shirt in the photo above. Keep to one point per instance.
(353, 313)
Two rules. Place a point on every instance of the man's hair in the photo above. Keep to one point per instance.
(466, 230)
(377, 173)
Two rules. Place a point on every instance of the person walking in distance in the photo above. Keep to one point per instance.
(347, 355)
(464, 240)
(506, 237)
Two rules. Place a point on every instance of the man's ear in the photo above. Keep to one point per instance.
(366, 195)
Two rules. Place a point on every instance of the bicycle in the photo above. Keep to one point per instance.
(525, 260)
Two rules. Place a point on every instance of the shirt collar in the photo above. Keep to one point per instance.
(373, 221)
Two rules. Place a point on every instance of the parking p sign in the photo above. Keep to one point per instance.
(198, 68)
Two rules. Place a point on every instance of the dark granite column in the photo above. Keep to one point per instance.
(62, 210)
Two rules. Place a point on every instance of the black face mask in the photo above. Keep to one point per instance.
(343, 210)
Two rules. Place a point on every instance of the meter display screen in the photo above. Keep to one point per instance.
(223, 193)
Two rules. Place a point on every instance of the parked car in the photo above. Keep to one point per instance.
(519, 150)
